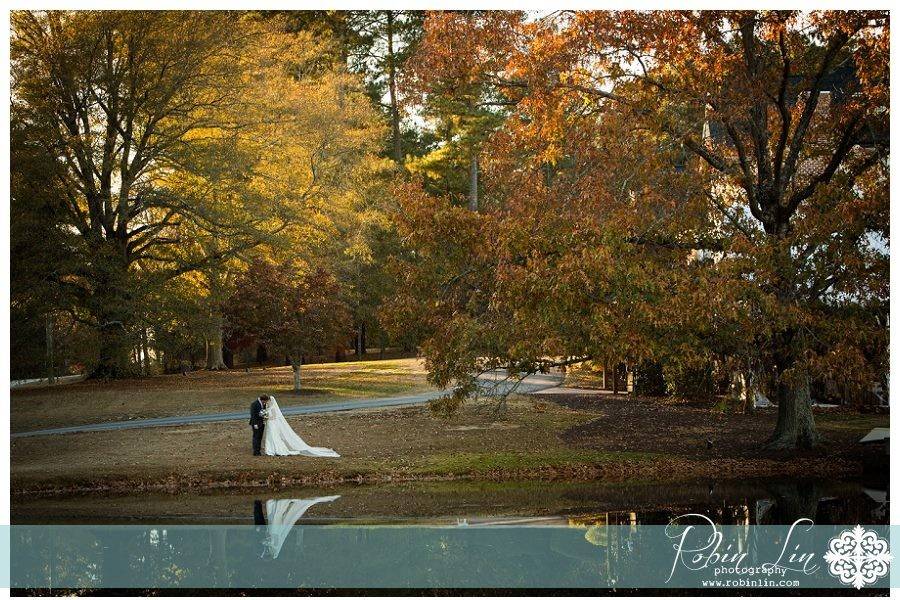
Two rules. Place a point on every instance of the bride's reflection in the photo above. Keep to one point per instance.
(280, 516)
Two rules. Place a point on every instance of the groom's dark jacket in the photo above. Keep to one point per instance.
(255, 417)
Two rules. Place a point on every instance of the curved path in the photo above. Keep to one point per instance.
(529, 385)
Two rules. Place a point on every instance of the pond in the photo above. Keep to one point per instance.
(539, 534)
(756, 502)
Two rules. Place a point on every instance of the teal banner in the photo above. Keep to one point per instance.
(692, 552)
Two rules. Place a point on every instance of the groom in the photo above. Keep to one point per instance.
(258, 423)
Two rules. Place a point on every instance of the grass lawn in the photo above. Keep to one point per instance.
(554, 437)
(209, 392)
(584, 375)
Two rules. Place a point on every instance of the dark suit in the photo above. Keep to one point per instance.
(259, 426)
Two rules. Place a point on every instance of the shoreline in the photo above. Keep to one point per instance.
(554, 438)
(642, 471)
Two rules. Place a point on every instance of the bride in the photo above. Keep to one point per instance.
(282, 515)
(280, 440)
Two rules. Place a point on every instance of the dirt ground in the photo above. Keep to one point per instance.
(557, 437)
(206, 392)
(682, 428)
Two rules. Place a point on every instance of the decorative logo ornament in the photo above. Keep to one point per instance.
(858, 557)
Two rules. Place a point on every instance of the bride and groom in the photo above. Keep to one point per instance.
(280, 517)
(274, 437)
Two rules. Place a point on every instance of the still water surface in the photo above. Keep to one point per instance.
(758, 502)
(424, 535)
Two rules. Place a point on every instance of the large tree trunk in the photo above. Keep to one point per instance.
(392, 88)
(115, 351)
(112, 304)
(215, 361)
(795, 428)
(262, 354)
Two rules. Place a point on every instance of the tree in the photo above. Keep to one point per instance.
(179, 143)
(448, 75)
(122, 99)
(176, 318)
(42, 250)
(317, 138)
(381, 43)
(375, 44)
(621, 228)
(299, 314)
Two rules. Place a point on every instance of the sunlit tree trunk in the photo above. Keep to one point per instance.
(295, 367)
(145, 350)
(215, 360)
(473, 183)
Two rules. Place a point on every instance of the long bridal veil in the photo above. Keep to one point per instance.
(283, 515)
(280, 440)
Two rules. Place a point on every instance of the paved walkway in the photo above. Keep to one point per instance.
(530, 385)
(34, 383)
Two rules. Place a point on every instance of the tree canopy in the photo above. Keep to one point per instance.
(680, 186)
(177, 146)
(697, 194)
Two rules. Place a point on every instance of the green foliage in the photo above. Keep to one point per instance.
(690, 381)
(177, 324)
(460, 107)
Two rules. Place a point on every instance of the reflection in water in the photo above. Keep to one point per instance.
(770, 503)
(535, 534)
(373, 556)
(761, 502)
(282, 516)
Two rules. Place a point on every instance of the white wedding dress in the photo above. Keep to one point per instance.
(280, 440)
(282, 515)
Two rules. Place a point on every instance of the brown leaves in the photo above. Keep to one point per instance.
(679, 185)
(297, 313)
